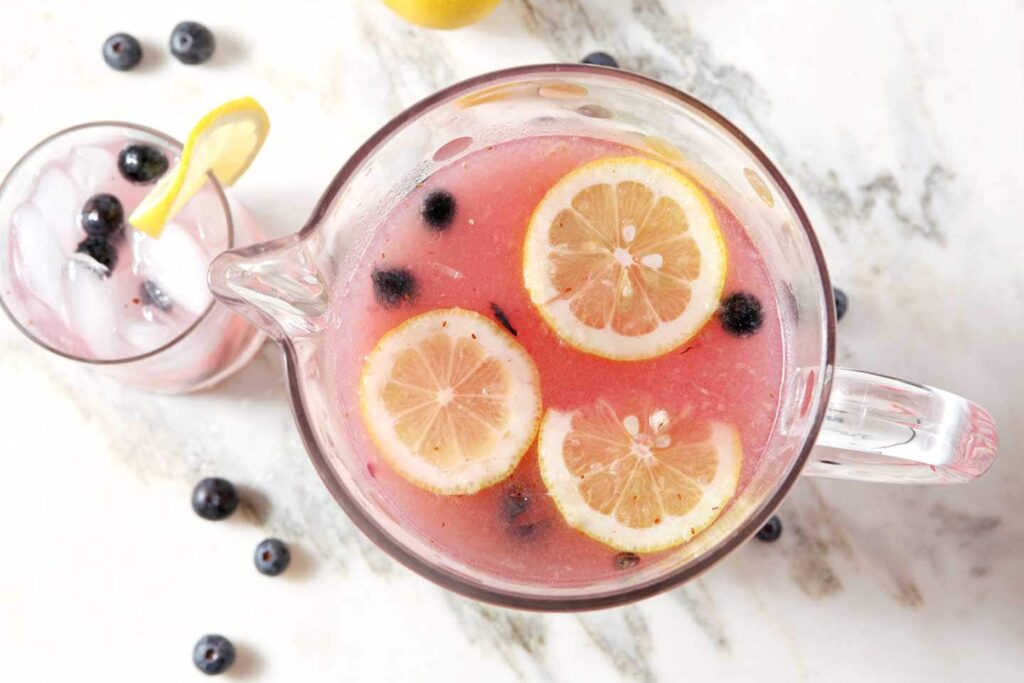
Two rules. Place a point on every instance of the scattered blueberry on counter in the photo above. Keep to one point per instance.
(122, 52)
(842, 303)
(600, 59)
(101, 251)
(102, 216)
(393, 286)
(192, 43)
(213, 654)
(272, 557)
(771, 531)
(214, 498)
(141, 164)
(439, 210)
(741, 314)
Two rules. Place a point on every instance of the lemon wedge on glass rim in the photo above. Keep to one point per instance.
(224, 142)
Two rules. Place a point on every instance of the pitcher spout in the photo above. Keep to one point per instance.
(275, 285)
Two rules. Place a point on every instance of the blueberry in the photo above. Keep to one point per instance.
(141, 164)
(500, 316)
(626, 560)
(214, 498)
(122, 52)
(213, 654)
(600, 59)
(393, 286)
(515, 502)
(102, 215)
(192, 43)
(272, 557)
(99, 250)
(741, 314)
(152, 295)
(524, 532)
(842, 303)
(438, 210)
(771, 531)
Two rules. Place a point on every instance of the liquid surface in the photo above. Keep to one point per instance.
(157, 288)
(513, 528)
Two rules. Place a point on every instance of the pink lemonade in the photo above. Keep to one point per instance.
(123, 294)
(513, 528)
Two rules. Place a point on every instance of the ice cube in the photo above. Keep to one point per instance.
(206, 213)
(147, 336)
(39, 258)
(177, 263)
(59, 201)
(91, 167)
(94, 307)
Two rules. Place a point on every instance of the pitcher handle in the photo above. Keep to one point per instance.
(882, 429)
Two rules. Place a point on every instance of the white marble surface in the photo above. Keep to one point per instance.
(898, 123)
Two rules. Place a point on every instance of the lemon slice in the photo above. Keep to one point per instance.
(638, 479)
(223, 143)
(624, 258)
(450, 400)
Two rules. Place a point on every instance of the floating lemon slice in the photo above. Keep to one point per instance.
(223, 143)
(638, 479)
(450, 400)
(624, 258)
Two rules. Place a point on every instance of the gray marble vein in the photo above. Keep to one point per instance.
(518, 638)
(624, 638)
(698, 599)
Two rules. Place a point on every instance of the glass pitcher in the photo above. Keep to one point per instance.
(833, 422)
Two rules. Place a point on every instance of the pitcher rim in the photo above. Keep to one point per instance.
(522, 600)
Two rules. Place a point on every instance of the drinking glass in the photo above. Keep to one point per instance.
(214, 345)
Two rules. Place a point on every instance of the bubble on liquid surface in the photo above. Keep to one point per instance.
(632, 424)
(595, 111)
(658, 420)
(452, 148)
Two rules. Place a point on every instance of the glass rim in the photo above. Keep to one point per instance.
(221, 197)
(524, 599)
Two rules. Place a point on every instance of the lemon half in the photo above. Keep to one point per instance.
(224, 142)
(442, 14)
